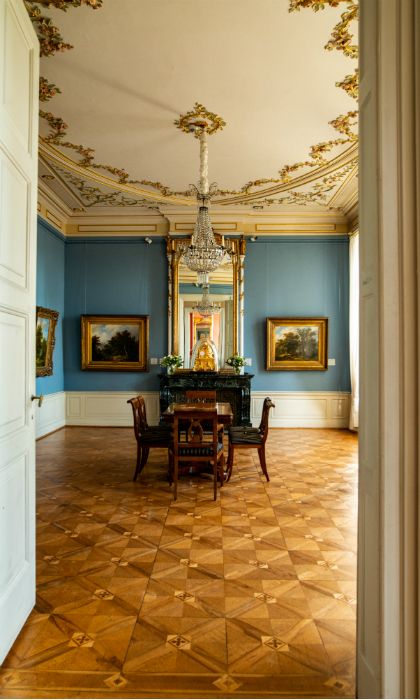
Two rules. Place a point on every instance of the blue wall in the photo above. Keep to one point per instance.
(296, 276)
(109, 276)
(303, 276)
(50, 293)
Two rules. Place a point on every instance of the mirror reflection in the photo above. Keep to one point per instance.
(197, 325)
(225, 289)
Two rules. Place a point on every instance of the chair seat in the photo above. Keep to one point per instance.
(246, 437)
(199, 451)
(147, 436)
(242, 436)
(155, 435)
(240, 430)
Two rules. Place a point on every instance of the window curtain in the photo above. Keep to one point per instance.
(354, 331)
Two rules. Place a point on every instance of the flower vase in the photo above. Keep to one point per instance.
(170, 369)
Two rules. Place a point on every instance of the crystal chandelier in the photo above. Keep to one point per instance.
(203, 254)
(205, 307)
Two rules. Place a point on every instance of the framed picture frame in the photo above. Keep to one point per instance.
(115, 343)
(46, 321)
(296, 344)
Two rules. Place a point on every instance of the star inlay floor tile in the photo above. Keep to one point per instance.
(141, 596)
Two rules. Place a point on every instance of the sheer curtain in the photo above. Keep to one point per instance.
(354, 330)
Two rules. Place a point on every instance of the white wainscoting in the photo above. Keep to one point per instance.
(52, 414)
(314, 409)
(108, 407)
(298, 409)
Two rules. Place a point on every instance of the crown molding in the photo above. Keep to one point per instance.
(263, 223)
(179, 221)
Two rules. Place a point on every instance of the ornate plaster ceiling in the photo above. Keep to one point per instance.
(109, 138)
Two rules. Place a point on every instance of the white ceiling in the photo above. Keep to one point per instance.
(138, 64)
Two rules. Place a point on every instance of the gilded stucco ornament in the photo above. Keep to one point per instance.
(318, 194)
(341, 39)
(93, 196)
(200, 115)
(50, 39)
(350, 84)
(47, 90)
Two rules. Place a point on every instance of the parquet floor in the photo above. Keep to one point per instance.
(138, 596)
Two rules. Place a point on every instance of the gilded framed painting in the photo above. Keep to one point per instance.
(297, 344)
(46, 321)
(115, 343)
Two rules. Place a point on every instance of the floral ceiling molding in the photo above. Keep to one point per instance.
(200, 116)
(92, 196)
(341, 39)
(321, 192)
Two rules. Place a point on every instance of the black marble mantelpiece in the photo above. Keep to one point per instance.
(234, 388)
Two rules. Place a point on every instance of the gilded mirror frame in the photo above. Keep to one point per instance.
(237, 254)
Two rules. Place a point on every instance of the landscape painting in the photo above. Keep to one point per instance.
(115, 343)
(46, 320)
(296, 344)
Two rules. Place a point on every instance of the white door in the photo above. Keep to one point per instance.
(19, 67)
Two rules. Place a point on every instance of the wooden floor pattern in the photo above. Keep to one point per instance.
(140, 596)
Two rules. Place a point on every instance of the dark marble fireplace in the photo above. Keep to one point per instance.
(234, 388)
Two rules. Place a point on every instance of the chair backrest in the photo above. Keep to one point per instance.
(264, 417)
(200, 396)
(139, 414)
(193, 439)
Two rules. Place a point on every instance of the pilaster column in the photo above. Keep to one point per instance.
(388, 584)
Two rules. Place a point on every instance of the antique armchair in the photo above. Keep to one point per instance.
(241, 437)
(193, 448)
(146, 436)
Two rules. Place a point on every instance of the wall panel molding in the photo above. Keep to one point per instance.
(314, 409)
(108, 408)
(52, 414)
(303, 409)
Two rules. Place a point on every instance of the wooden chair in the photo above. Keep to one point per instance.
(194, 447)
(146, 436)
(204, 396)
(241, 437)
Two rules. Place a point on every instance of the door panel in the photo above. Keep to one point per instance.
(14, 487)
(17, 72)
(13, 335)
(19, 60)
(13, 227)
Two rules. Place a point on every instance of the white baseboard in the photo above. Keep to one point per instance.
(294, 409)
(303, 409)
(51, 415)
(108, 408)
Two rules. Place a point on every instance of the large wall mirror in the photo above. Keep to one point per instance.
(186, 324)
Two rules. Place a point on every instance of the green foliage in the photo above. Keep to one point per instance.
(300, 344)
(236, 361)
(122, 347)
(41, 347)
(172, 361)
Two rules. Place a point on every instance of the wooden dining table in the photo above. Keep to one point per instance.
(224, 410)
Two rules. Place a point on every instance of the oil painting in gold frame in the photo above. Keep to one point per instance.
(46, 321)
(115, 343)
(295, 344)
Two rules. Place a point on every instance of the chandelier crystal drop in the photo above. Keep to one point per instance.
(203, 254)
(206, 307)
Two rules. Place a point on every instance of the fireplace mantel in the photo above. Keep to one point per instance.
(234, 388)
